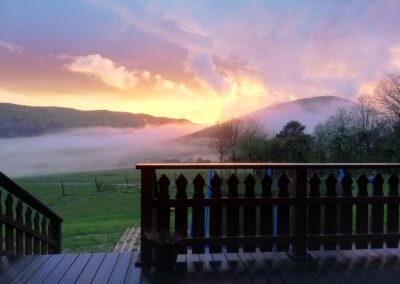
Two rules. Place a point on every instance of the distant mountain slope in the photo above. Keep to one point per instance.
(309, 111)
(18, 120)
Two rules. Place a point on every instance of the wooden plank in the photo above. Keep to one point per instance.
(226, 275)
(328, 266)
(163, 214)
(314, 212)
(377, 211)
(252, 267)
(133, 273)
(121, 268)
(10, 266)
(393, 211)
(91, 268)
(198, 212)
(266, 213)
(249, 213)
(330, 214)
(346, 222)
(181, 212)
(45, 269)
(74, 269)
(105, 269)
(36, 228)
(30, 269)
(215, 213)
(283, 218)
(362, 211)
(209, 271)
(61, 268)
(295, 272)
(232, 213)
(269, 267)
(194, 268)
(238, 268)
(361, 267)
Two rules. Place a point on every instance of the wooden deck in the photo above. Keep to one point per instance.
(352, 266)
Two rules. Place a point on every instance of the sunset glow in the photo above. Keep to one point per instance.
(193, 59)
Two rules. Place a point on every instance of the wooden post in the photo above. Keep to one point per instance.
(266, 213)
(126, 181)
(9, 229)
(181, 212)
(62, 188)
(146, 214)
(314, 212)
(232, 213)
(97, 185)
(54, 228)
(299, 247)
(249, 213)
(330, 218)
(216, 213)
(198, 212)
(1, 229)
(19, 234)
(393, 211)
(44, 233)
(283, 218)
(28, 237)
(36, 228)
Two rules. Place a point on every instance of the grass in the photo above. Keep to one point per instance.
(93, 221)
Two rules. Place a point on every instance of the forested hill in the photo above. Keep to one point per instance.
(22, 121)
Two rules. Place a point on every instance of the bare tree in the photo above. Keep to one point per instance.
(226, 139)
(388, 96)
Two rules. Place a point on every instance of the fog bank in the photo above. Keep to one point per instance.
(96, 148)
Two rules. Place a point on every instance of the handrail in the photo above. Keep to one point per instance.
(10, 186)
(30, 227)
(183, 166)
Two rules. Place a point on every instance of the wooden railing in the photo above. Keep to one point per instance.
(26, 225)
(311, 210)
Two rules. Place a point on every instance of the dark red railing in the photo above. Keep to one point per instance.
(26, 225)
(311, 210)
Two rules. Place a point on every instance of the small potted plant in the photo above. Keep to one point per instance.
(165, 248)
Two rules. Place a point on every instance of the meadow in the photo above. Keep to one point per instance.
(94, 217)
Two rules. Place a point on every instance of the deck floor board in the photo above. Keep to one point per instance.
(351, 266)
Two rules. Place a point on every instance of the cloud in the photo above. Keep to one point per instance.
(106, 71)
(119, 77)
(11, 47)
(204, 67)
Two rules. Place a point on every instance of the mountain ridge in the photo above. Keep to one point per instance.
(48, 119)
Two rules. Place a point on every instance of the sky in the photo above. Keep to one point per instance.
(199, 60)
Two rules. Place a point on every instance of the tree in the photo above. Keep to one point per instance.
(295, 144)
(388, 96)
(226, 139)
(252, 140)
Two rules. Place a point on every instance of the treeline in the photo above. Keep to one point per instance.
(370, 132)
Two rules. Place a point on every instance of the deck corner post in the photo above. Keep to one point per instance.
(55, 234)
(299, 248)
(148, 177)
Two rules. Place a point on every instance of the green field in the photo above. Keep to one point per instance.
(93, 221)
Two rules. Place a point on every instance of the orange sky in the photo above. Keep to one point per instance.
(199, 61)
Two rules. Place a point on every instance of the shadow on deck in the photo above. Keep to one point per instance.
(350, 266)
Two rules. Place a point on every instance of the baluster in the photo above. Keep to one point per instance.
(314, 212)
(266, 213)
(163, 213)
(36, 228)
(346, 224)
(393, 211)
(283, 220)
(9, 229)
(215, 213)
(362, 211)
(181, 212)
(249, 219)
(198, 212)
(377, 211)
(19, 234)
(330, 212)
(28, 237)
(232, 213)
(45, 234)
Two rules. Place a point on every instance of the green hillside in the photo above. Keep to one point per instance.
(18, 120)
